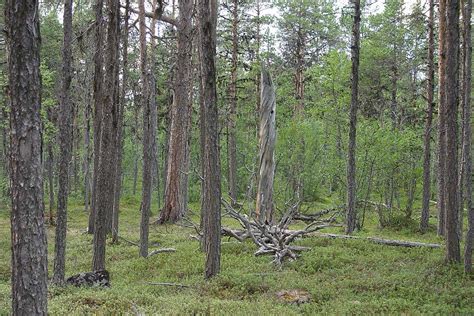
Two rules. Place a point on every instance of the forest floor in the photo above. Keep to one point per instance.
(342, 276)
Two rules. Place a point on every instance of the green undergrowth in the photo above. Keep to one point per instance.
(342, 276)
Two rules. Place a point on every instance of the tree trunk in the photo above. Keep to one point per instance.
(87, 157)
(267, 138)
(65, 143)
(147, 177)
(176, 189)
(441, 121)
(28, 235)
(98, 96)
(106, 176)
(425, 212)
(452, 99)
(49, 167)
(120, 138)
(212, 172)
(351, 161)
(467, 137)
(231, 144)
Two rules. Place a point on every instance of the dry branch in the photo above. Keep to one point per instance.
(388, 242)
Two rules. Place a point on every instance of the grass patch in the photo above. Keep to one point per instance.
(342, 276)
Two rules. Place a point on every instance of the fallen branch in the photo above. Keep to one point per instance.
(388, 242)
(129, 241)
(157, 251)
(168, 284)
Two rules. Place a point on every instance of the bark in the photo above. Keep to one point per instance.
(65, 142)
(28, 235)
(452, 99)
(98, 92)
(87, 157)
(50, 166)
(425, 212)
(147, 177)
(176, 189)
(106, 179)
(212, 171)
(120, 138)
(351, 161)
(231, 144)
(441, 120)
(267, 138)
(466, 101)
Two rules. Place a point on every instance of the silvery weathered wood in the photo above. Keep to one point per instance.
(267, 137)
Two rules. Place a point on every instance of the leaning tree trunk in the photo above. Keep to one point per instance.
(65, 143)
(267, 138)
(441, 121)
(467, 11)
(351, 161)
(452, 98)
(212, 171)
(176, 188)
(105, 179)
(425, 212)
(28, 235)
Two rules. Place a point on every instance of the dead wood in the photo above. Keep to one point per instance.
(377, 240)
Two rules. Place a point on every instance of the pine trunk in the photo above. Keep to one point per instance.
(28, 234)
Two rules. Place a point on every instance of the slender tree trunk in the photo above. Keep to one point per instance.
(176, 189)
(136, 141)
(28, 235)
(212, 172)
(466, 101)
(65, 142)
(50, 165)
(441, 121)
(267, 136)
(351, 161)
(98, 91)
(425, 212)
(87, 157)
(452, 99)
(119, 141)
(232, 144)
(106, 176)
(147, 176)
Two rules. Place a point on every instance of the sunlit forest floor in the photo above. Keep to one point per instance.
(342, 276)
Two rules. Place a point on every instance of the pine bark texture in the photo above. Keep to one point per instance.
(452, 99)
(176, 188)
(98, 92)
(147, 177)
(65, 141)
(267, 138)
(106, 175)
(466, 101)
(425, 212)
(28, 235)
(441, 120)
(351, 161)
(212, 171)
(120, 138)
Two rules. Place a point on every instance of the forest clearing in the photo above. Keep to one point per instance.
(263, 157)
(342, 277)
